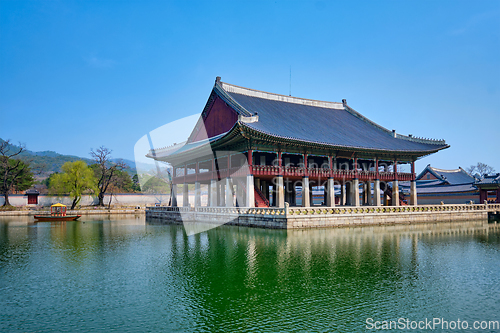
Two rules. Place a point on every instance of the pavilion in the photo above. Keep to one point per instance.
(435, 186)
(489, 188)
(251, 146)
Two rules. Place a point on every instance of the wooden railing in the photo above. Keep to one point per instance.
(289, 171)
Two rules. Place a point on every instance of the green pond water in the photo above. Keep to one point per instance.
(122, 274)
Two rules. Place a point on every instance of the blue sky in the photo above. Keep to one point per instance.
(78, 75)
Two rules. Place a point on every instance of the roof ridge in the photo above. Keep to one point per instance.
(231, 88)
(228, 99)
(443, 170)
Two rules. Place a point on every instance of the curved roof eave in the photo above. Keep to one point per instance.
(366, 149)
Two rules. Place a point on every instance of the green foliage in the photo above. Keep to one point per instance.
(76, 179)
(156, 185)
(20, 177)
(47, 162)
(136, 186)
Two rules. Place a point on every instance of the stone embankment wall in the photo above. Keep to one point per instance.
(293, 218)
(124, 199)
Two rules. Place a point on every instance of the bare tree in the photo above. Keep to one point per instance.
(105, 170)
(481, 168)
(14, 172)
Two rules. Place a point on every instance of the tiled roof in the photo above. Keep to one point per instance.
(328, 123)
(452, 177)
(441, 189)
(487, 180)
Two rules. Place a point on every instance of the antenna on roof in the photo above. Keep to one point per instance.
(290, 92)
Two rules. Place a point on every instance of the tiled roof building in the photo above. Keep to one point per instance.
(286, 144)
(447, 186)
(488, 187)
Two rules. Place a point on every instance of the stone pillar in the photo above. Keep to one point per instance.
(250, 192)
(280, 193)
(343, 198)
(371, 200)
(185, 195)
(365, 194)
(229, 193)
(330, 195)
(209, 195)
(395, 193)
(213, 193)
(413, 193)
(355, 192)
(222, 193)
(173, 202)
(376, 193)
(197, 194)
(305, 192)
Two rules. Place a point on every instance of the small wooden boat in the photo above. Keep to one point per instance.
(57, 213)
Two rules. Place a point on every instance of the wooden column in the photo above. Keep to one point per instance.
(330, 165)
(304, 156)
(483, 195)
(355, 167)
(250, 157)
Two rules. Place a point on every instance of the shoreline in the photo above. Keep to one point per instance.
(141, 211)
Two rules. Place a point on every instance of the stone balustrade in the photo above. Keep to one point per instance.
(344, 210)
(321, 217)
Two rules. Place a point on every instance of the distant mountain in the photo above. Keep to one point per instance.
(47, 162)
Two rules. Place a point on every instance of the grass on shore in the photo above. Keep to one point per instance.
(9, 208)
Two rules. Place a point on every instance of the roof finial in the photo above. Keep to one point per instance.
(344, 101)
(217, 79)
